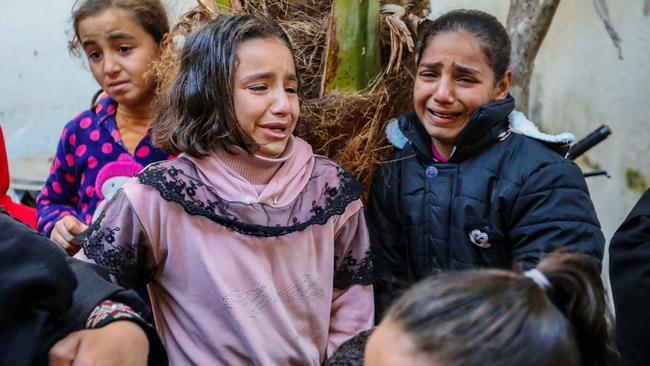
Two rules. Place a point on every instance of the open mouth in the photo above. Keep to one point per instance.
(276, 130)
(444, 115)
(276, 126)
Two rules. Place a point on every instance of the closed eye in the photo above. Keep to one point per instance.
(428, 74)
(257, 88)
(466, 80)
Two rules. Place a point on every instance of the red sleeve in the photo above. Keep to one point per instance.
(23, 213)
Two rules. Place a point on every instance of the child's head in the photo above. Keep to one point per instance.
(462, 63)
(557, 316)
(121, 39)
(236, 85)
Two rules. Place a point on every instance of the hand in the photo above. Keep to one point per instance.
(121, 342)
(64, 232)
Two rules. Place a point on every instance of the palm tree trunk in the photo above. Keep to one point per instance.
(352, 51)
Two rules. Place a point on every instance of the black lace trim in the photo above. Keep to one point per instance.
(352, 351)
(99, 245)
(353, 271)
(174, 185)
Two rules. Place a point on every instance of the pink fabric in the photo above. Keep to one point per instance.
(437, 154)
(125, 166)
(255, 169)
(224, 298)
(282, 188)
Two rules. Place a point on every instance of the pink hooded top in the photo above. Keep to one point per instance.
(242, 271)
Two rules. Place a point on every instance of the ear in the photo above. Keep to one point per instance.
(503, 87)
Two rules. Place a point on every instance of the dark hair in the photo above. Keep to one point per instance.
(496, 317)
(197, 113)
(484, 26)
(149, 13)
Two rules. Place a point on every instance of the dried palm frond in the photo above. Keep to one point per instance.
(345, 126)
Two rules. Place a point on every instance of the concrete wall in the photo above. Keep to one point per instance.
(579, 83)
(41, 85)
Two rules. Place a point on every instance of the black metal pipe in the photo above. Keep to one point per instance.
(588, 142)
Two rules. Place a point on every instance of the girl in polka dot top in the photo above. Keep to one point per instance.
(120, 39)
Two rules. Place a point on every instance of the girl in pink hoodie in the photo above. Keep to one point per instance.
(255, 250)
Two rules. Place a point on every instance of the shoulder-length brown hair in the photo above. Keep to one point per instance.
(197, 113)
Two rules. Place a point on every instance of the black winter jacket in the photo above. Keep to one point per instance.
(503, 199)
(629, 272)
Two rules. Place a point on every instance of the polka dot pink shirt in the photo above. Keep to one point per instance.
(88, 142)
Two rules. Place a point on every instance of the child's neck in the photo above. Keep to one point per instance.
(132, 124)
(138, 116)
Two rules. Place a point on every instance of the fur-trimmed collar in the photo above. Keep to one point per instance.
(523, 126)
(518, 123)
(395, 135)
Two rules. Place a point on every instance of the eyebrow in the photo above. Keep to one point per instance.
(87, 43)
(111, 37)
(120, 35)
(467, 69)
(265, 75)
(461, 68)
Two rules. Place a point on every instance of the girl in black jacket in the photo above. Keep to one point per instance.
(474, 184)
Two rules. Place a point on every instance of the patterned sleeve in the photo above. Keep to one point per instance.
(352, 299)
(59, 196)
(109, 311)
(118, 241)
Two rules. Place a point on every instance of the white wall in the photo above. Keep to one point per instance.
(580, 83)
(41, 85)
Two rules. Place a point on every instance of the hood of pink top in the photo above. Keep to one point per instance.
(282, 189)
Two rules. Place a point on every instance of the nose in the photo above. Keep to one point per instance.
(111, 65)
(444, 92)
(281, 103)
